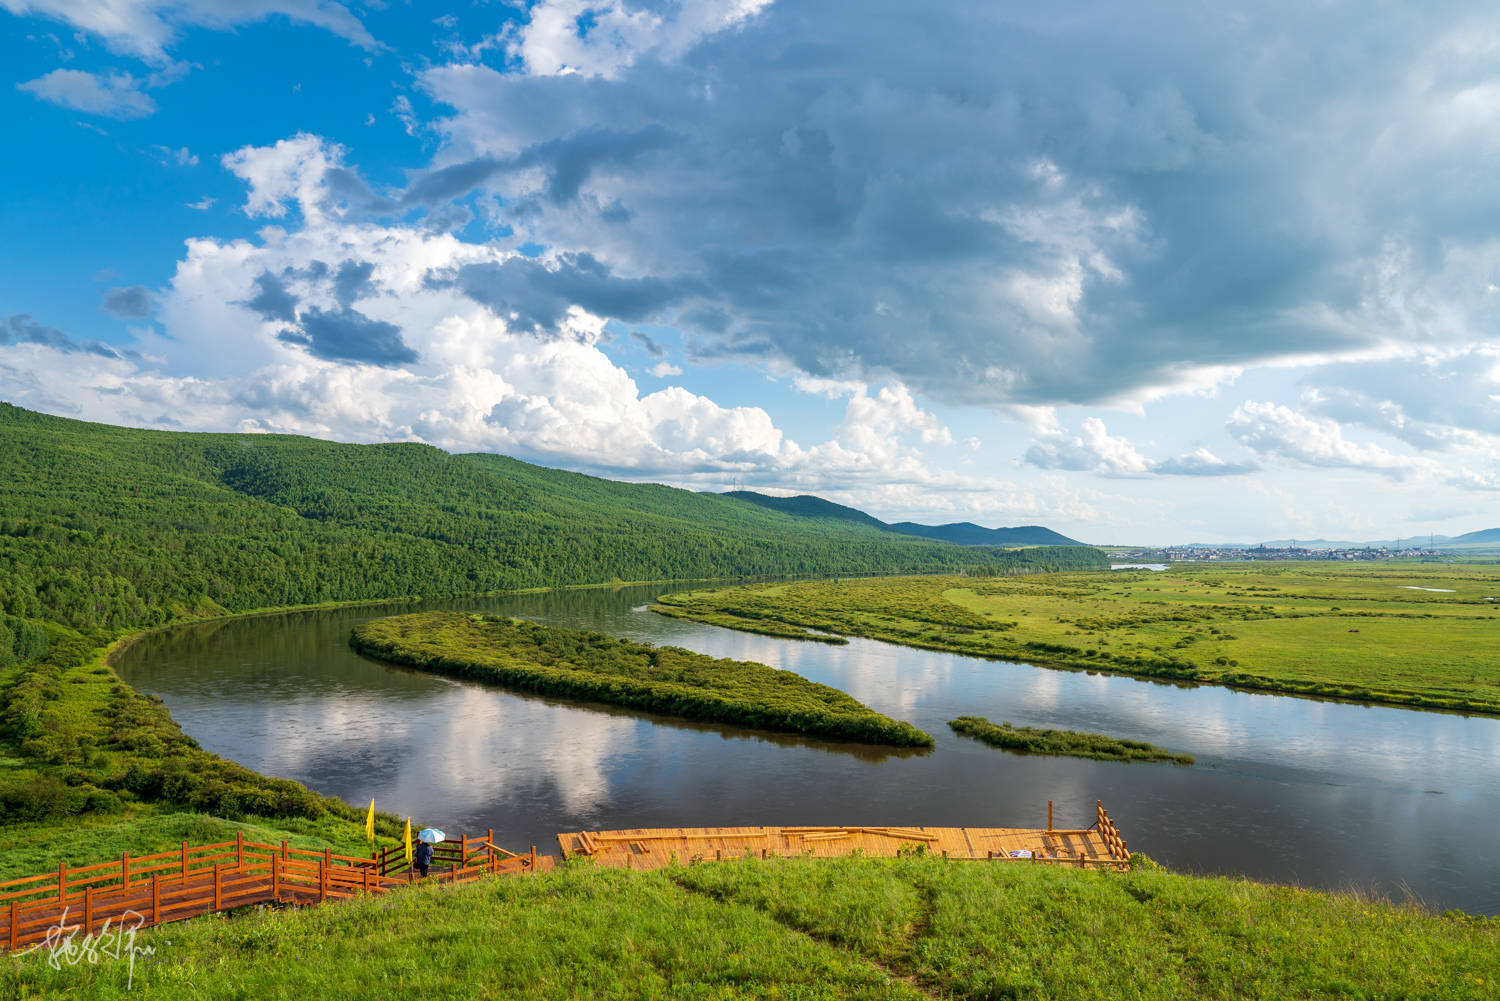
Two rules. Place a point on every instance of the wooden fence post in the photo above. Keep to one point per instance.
(15, 921)
(62, 882)
(283, 849)
(125, 870)
(275, 879)
(533, 859)
(88, 910)
(156, 898)
(218, 884)
(239, 849)
(322, 881)
(1049, 815)
(184, 860)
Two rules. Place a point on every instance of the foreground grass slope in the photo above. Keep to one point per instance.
(106, 530)
(1405, 634)
(576, 664)
(811, 929)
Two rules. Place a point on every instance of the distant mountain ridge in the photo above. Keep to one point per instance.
(963, 533)
(1483, 535)
(966, 533)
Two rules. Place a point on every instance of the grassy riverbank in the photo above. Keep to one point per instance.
(901, 929)
(587, 665)
(1062, 743)
(1403, 634)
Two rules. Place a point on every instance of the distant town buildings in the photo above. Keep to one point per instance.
(1199, 554)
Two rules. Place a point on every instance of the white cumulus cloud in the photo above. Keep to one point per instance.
(117, 95)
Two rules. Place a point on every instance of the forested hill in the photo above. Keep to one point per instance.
(969, 534)
(104, 528)
(962, 533)
(808, 506)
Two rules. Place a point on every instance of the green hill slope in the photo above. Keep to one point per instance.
(963, 533)
(105, 527)
(809, 929)
(966, 533)
(807, 506)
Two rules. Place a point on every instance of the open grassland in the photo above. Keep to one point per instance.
(1362, 632)
(909, 929)
(589, 665)
(1069, 743)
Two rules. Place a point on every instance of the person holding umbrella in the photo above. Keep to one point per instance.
(426, 838)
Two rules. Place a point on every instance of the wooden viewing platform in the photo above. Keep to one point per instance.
(149, 890)
(1098, 846)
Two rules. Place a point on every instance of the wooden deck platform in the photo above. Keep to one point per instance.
(643, 848)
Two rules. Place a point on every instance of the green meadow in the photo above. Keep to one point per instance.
(907, 929)
(576, 664)
(1361, 631)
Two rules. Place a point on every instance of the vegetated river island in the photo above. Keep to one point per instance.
(570, 663)
(1070, 743)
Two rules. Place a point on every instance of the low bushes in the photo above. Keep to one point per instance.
(1072, 743)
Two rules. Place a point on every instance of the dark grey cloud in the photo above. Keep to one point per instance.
(130, 303)
(272, 299)
(1433, 404)
(648, 345)
(1017, 204)
(19, 328)
(352, 281)
(348, 335)
(447, 219)
(568, 160)
(535, 295)
(346, 186)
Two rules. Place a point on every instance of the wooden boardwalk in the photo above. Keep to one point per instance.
(1098, 846)
(145, 891)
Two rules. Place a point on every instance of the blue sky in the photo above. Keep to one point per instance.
(1160, 274)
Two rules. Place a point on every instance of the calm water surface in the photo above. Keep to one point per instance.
(1285, 789)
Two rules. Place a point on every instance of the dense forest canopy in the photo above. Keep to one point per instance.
(104, 528)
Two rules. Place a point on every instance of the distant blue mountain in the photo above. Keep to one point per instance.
(961, 533)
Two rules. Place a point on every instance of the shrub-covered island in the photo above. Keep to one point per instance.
(1071, 743)
(589, 665)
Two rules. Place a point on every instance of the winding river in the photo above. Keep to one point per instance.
(1291, 790)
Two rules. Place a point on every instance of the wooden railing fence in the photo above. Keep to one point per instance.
(147, 890)
(1111, 834)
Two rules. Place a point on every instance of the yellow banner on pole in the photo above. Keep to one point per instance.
(370, 823)
(408, 841)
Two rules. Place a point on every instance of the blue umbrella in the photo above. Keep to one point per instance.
(431, 835)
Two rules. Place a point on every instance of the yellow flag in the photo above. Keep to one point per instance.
(408, 841)
(370, 823)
